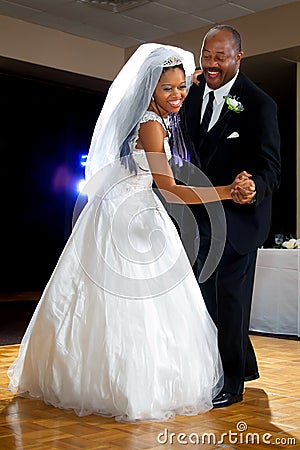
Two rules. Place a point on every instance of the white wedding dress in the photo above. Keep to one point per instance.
(121, 329)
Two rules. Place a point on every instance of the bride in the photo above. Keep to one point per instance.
(121, 329)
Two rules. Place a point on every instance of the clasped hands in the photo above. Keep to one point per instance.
(243, 188)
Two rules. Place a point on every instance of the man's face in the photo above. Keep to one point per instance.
(220, 59)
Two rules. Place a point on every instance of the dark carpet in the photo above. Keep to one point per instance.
(14, 319)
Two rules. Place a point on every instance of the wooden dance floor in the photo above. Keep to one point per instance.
(269, 416)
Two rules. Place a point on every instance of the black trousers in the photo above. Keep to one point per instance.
(228, 295)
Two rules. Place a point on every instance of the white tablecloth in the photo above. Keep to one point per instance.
(276, 299)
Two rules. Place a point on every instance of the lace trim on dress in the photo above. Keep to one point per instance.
(151, 115)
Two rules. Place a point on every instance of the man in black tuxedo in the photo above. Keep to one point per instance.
(239, 133)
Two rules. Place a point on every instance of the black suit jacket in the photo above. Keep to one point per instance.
(255, 149)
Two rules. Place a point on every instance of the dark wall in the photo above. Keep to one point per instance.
(44, 129)
(284, 200)
(277, 76)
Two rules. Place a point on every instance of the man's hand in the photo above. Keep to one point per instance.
(243, 190)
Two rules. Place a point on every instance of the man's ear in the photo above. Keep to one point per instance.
(239, 56)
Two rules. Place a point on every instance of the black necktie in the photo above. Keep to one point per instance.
(208, 112)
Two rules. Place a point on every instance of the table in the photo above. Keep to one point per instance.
(276, 297)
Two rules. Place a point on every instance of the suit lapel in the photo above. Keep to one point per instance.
(210, 141)
(214, 136)
(235, 91)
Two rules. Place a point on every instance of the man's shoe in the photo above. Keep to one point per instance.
(252, 376)
(226, 399)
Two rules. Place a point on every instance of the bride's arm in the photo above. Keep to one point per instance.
(151, 137)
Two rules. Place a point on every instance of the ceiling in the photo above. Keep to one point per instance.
(128, 23)
(138, 21)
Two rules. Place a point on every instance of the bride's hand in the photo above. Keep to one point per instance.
(244, 175)
(240, 180)
(195, 75)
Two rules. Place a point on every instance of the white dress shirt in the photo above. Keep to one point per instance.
(218, 101)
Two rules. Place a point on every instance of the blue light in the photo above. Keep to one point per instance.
(80, 185)
(82, 163)
(83, 159)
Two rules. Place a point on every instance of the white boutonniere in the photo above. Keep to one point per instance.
(233, 104)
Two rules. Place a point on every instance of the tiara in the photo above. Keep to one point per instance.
(172, 61)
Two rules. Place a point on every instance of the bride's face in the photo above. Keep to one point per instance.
(170, 91)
